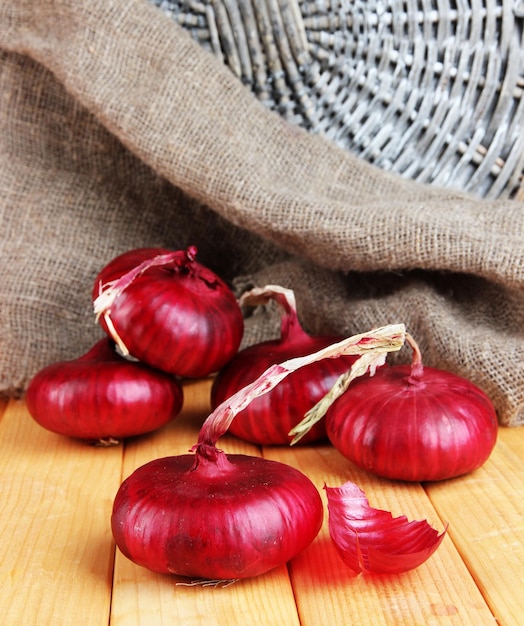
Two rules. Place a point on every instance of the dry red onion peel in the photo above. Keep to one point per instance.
(372, 540)
(218, 516)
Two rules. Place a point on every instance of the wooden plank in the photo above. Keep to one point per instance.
(510, 439)
(56, 550)
(487, 513)
(3, 406)
(440, 591)
(143, 597)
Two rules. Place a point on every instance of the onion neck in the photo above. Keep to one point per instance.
(417, 368)
(290, 328)
(210, 459)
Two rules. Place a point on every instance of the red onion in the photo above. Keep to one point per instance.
(268, 419)
(223, 516)
(215, 516)
(372, 540)
(414, 423)
(102, 396)
(169, 311)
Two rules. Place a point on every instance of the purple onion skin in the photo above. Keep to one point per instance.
(429, 427)
(183, 320)
(101, 395)
(234, 517)
(269, 418)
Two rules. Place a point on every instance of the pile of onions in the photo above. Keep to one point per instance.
(170, 317)
(167, 310)
(409, 422)
(102, 397)
(219, 516)
(268, 419)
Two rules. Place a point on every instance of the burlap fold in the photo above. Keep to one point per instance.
(117, 131)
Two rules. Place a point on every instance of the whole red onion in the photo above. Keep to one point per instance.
(215, 516)
(102, 396)
(413, 423)
(169, 311)
(222, 516)
(269, 418)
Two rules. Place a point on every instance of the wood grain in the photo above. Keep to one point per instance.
(488, 524)
(411, 598)
(56, 550)
(58, 563)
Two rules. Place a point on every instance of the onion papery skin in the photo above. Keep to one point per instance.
(403, 427)
(234, 517)
(269, 418)
(372, 540)
(101, 395)
(181, 317)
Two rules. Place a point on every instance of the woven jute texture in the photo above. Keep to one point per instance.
(118, 129)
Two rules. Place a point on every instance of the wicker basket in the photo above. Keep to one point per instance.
(432, 90)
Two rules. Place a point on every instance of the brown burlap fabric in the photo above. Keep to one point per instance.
(117, 130)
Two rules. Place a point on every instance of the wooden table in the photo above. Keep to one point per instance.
(58, 564)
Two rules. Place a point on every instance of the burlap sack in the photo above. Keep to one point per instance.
(118, 130)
